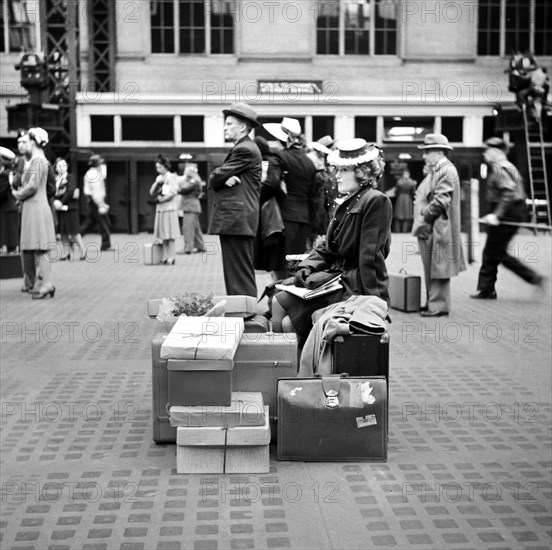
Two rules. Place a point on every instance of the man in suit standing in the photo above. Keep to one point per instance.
(236, 187)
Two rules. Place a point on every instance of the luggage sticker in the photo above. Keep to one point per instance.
(295, 390)
(365, 421)
(366, 393)
(361, 395)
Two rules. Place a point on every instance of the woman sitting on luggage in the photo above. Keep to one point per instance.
(357, 241)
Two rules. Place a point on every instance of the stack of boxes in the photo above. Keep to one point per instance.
(218, 431)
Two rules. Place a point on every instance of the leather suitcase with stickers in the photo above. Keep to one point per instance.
(332, 418)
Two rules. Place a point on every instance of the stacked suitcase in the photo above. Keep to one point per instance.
(260, 360)
(217, 431)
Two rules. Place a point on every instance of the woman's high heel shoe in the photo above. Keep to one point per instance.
(39, 295)
(170, 261)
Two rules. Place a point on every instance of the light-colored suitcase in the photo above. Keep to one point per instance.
(405, 291)
(153, 253)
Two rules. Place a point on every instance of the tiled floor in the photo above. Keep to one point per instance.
(470, 453)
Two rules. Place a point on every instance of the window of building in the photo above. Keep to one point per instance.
(489, 124)
(192, 128)
(407, 129)
(453, 128)
(192, 26)
(18, 33)
(366, 128)
(101, 127)
(150, 128)
(322, 126)
(356, 27)
(512, 25)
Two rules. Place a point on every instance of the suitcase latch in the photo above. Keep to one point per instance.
(331, 399)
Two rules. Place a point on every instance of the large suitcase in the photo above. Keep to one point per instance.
(258, 363)
(361, 355)
(332, 418)
(405, 291)
(260, 360)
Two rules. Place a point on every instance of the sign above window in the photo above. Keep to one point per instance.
(287, 87)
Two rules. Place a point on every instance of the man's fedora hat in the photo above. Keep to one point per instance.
(497, 143)
(288, 127)
(353, 152)
(435, 141)
(242, 111)
(6, 154)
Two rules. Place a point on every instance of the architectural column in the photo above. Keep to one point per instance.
(473, 131)
(344, 127)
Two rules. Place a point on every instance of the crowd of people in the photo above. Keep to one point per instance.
(270, 200)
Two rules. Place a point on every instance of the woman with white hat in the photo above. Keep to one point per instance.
(37, 223)
(357, 241)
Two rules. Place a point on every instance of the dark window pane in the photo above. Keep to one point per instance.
(322, 126)
(102, 128)
(488, 37)
(150, 128)
(162, 26)
(192, 128)
(327, 25)
(366, 128)
(489, 123)
(452, 127)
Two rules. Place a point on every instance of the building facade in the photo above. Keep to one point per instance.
(153, 76)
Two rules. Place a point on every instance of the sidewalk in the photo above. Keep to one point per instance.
(470, 453)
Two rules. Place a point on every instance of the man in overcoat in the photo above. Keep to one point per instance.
(236, 187)
(438, 201)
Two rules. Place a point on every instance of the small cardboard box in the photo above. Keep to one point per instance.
(246, 409)
(218, 450)
(200, 382)
(214, 338)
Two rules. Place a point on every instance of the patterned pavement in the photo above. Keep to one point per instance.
(470, 453)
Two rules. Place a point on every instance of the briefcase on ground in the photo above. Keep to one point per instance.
(332, 418)
(405, 291)
(361, 355)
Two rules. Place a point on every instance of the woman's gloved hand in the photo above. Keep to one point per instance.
(301, 276)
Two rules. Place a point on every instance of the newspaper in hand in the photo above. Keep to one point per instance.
(308, 294)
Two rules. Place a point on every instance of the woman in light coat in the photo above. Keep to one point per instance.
(37, 223)
(166, 227)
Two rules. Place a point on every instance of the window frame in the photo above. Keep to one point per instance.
(503, 31)
(342, 29)
(31, 7)
(208, 28)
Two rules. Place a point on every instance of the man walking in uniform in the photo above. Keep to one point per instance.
(506, 199)
(236, 187)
